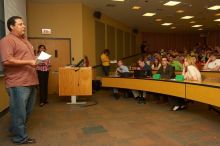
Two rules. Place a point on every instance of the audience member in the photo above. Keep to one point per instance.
(141, 95)
(213, 64)
(175, 63)
(166, 71)
(156, 64)
(120, 69)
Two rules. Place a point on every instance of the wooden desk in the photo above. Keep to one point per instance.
(205, 92)
(158, 86)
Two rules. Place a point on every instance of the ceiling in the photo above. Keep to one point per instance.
(133, 18)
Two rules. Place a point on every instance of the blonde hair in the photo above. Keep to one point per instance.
(191, 60)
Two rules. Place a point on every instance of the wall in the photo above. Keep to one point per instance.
(65, 20)
(15, 8)
(158, 41)
(213, 38)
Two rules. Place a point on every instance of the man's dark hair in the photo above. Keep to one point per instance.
(11, 21)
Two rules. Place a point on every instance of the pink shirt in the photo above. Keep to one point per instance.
(44, 65)
(19, 48)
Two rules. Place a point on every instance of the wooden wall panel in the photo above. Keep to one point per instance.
(127, 44)
(111, 41)
(99, 39)
(158, 41)
(120, 46)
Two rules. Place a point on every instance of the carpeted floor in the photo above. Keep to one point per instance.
(120, 122)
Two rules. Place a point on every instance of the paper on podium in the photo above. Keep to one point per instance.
(43, 56)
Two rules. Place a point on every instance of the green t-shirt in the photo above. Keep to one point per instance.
(178, 66)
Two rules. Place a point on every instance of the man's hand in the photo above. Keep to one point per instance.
(33, 63)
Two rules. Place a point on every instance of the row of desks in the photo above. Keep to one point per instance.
(205, 92)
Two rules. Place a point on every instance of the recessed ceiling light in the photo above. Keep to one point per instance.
(172, 3)
(216, 7)
(187, 17)
(196, 25)
(158, 19)
(166, 24)
(218, 14)
(217, 20)
(149, 14)
(179, 11)
(192, 22)
(136, 7)
(173, 27)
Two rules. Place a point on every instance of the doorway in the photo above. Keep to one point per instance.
(60, 49)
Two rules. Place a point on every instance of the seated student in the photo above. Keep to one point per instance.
(166, 71)
(156, 64)
(175, 63)
(213, 64)
(190, 73)
(120, 69)
(141, 96)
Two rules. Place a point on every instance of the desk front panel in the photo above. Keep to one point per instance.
(157, 86)
(203, 93)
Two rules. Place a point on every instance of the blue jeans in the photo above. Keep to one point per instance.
(22, 101)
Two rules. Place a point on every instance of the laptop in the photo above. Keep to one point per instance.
(126, 75)
(139, 74)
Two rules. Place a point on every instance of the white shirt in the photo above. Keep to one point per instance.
(213, 64)
(194, 72)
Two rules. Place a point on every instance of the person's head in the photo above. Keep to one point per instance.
(119, 63)
(16, 25)
(194, 59)
(212, 57)
(164, 61)
(141, 63)
(171, 58)
(41, 48)
(106, 51)
(189, 61)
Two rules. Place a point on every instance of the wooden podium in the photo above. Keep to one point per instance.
(75, 81)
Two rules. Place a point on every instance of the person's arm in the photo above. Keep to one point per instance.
(191, 75)
(206, 64)
(16, 62)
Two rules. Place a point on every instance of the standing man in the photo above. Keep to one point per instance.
(19, 63)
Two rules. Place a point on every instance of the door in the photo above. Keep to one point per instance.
(61, 54)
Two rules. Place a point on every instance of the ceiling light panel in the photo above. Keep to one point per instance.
(136, 7)
(172, 3)
(179, 11)
(216, 7)
(187, 17)
(166, 24)
(217, 20)
(149, 14)
(196, 25)
(158, 19)
(192, 22)
(118, 0)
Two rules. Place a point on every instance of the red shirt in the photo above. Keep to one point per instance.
(16, 47)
